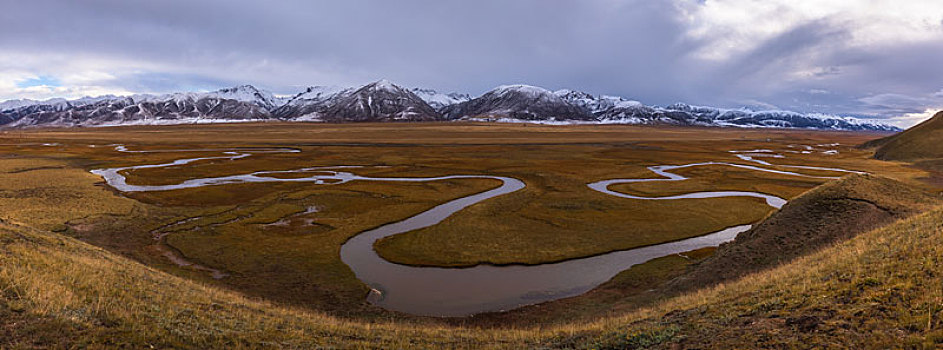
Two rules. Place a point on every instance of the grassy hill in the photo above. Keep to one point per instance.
(917, 143)
(830, 213)
(876, 291)
(879, 289)
(57, 292)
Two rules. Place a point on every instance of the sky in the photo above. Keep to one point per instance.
(865, 58)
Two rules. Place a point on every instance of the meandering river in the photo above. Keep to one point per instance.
(434, 291)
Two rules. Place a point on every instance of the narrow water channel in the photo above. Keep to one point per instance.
(434, 291)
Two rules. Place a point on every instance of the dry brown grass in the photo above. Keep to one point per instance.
(58, 292)
(878, 290)
(45, 193)
(918, 142)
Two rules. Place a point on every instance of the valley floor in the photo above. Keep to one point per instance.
(277, 243)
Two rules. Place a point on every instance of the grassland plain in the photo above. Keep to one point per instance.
(558, 219)
(271, 246)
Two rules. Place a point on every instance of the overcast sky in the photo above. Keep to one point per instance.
(878, 59)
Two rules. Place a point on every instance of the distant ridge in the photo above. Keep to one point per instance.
(384, 101)
(521, 102)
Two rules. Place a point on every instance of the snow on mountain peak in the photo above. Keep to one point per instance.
(596, 103)
(384, 101)
(618, 102)
(565, 93)
(246, 93)
(319, 92)
(13, 104)
(438, 100)
(58, 101)
(519, 102)
(240, 88)
(383, 84)
(521, 89)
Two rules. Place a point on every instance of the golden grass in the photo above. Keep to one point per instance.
(558, 218)
(413, 133)
(723, 178)
(881, 289)
(45, 193)
(918, 142)
(574, 229)
(58, 292)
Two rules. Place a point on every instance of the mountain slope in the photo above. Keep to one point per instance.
(249, 94)
(921, 141)
(383, 101)
(379, 101)
(832, 212)
(534, 104)
(242, 103)
(439, 100)
(518, 102)
(19, 103)
(309, 105)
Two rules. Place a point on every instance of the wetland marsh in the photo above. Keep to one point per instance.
(228, 230)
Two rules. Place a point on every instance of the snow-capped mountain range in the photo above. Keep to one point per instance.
(379, 101)
(383, 101)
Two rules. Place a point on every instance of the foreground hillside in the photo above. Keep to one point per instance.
(833, 212)
(59, 292)
(880, 289)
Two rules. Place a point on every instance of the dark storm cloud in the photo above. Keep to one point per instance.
(638, 49)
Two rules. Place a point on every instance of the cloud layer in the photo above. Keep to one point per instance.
(875, 59)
